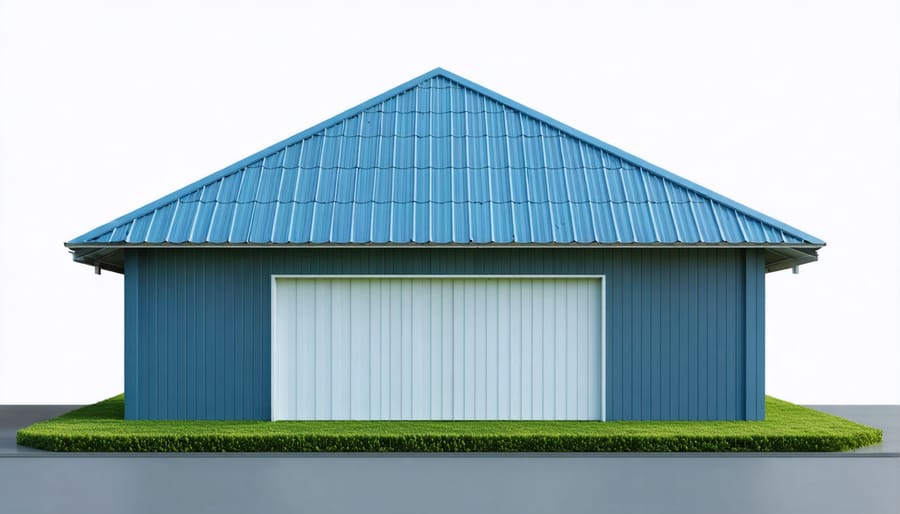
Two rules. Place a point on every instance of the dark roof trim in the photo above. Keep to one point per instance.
(110, 257)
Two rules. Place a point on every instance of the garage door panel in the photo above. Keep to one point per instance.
(595, 400)
(419, 345)
(360, 344)
(285, 362)
(436, 348)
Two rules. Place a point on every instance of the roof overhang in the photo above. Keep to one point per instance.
(111, 257)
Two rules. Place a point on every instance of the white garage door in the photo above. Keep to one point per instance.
(437, 348)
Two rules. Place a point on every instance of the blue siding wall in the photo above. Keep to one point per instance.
(685, 327)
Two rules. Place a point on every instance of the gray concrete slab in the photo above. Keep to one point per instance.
(449, 484)
(34, 481)
(14, 417)
(885, 417)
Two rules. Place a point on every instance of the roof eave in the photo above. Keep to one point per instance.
(109, 256)
(782, 258)
(105, 258)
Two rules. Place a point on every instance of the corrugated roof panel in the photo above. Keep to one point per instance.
(557, 190)
(322, 216)
(364, 188)
(707, 224)
(655, 188)
(281, 223)
(571, 153)
(502, 222)
(497, 140)
(441, 223)
(354, 127)
(551, 150)
(362, 222)
(369, 141)
(604, 227)
(270, 182)
(615, 182)
(685, 225)
(381, 209)
(752, 228)
(182, 221)
(582, 222)
(499, 184)
(405, 120)
(240, 224)
(460, 214)
(345, 184)
(633, 183)
(595, 178)
(421, 230)
(664, 223)
(536, 182)
(442, 160)
(118, 234)
(521, 220)
(644, 228)
(210, 192)
(421, 199)
(140, 227)
(731, 230)
(480, 222)
(342, 222)
(561, 223)
(440, 116)
(289, 178)
(301, 222)
(774, 235)
(623, 223)
(541, 222)
(161, 223)
(262, 222)
(228, 189)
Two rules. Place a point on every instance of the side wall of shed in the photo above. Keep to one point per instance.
(685, 327)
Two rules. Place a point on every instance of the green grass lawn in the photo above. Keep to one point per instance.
(788, 427)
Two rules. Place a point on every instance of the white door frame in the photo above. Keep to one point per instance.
(274, 310)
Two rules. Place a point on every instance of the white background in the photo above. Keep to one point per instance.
(792, 108)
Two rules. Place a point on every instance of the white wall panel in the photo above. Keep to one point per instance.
(437, 348)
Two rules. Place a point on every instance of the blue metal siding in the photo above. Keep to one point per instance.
(442, 160)
(684, 326)
(754, 324)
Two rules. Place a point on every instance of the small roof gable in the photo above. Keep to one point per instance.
(440, 160)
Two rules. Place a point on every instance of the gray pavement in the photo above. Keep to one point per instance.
(885, 417)
(14, 417)
(866, 480)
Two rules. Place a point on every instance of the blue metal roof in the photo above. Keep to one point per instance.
(441, 160)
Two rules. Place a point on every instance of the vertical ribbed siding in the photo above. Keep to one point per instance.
(194, 343)
(439, 348)
(134, 338)
(684, 331)
(755, 326)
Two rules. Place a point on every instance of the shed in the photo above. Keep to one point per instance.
(443, 252)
